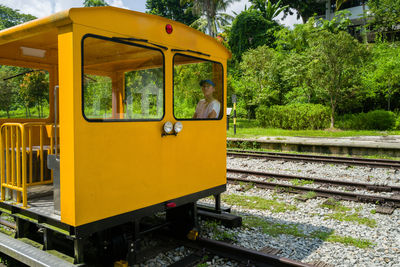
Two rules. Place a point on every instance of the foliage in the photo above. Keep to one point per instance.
(382, 76)
(397, 124)
(335, 63)
(373, 120)
(94, 3)
(294, 116)
(305, 8)
(97, 92)
(384, 15)
(6, 93)
(296, 40)
(10, 17)
(262, 74)
(340, 22)
(172, 9)
(268, 10)
(35, 90)
(210, 10)
(339, 3)
(250, 30)
(222, 20)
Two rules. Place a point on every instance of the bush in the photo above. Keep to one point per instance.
(373, 120)
(294, 116)
(397, 126)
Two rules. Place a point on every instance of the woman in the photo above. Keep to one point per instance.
(209, 107)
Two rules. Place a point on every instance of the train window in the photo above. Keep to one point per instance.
(24, 93)
(144, 94)
(198, 88)
(121, 80)
(98, 96)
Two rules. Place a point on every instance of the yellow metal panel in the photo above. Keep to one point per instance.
(69, 79)
(124, 166)
(112, 168)
(34, 27)
(146, 26)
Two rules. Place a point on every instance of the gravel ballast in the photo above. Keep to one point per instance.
(310, 216)
(383, 234)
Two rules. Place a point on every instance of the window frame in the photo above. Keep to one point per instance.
(90, 35)
(222, 113)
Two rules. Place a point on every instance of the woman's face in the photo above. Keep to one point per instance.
(207, 89)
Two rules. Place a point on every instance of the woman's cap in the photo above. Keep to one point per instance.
(207, 81)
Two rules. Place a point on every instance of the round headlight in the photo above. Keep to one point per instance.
(178, 127)
(168, 127)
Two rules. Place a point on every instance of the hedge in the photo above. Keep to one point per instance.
(294, 116)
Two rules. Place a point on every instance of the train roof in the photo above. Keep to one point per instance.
(43, 33)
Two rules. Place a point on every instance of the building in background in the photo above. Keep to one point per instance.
(356, 9)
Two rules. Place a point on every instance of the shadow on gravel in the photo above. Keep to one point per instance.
(293, 240)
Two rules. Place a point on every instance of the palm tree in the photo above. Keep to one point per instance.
(210, 10)
(339, 3)
(91, 3)
(268, 10)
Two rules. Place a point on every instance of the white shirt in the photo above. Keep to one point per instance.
(204, 108)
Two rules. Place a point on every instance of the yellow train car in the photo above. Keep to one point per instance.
(132, 121)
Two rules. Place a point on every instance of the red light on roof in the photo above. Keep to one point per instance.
(168, 28)
(170, 205)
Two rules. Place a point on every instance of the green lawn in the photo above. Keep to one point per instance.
(249, 129)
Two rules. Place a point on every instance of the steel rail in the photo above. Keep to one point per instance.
(371, 187)
(241, 254)
(382, 163)
(391, 201)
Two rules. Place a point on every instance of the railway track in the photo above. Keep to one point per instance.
(374, 163)
(393, 201)
(204, 246)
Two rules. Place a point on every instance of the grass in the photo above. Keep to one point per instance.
(249, 129)
(258, 203)
(20, 113)
(246, 186)
(354, 217)
(276, 229)
(299, 182)
(307, 196)
(342, 214)
(335, 205)
(219, 235)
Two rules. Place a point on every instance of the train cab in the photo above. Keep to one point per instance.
(100, 121)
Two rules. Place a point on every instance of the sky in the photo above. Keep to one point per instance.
(42, 8)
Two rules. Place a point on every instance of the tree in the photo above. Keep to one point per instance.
(261, 78)
(305, 8)
(6, 92)
(172, 9)
(336, 61)
(296, 40)
(339, 3)
(10, 17)
(268, 10)
(93, 3)
(250, 30)
(210, 9)
(35, 88)
(383, 76)
(385, 15)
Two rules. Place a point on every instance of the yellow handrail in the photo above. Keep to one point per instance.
(16, 146)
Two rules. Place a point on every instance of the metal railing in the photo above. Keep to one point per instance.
(23, 158)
